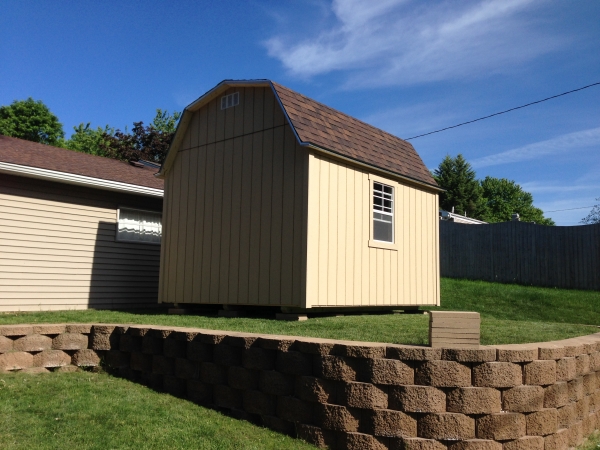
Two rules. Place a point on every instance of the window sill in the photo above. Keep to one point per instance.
(383, 245)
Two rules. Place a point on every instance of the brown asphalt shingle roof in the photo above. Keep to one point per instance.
(330, 129)
(32, 154)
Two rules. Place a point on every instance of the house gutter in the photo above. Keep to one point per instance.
(78, 180)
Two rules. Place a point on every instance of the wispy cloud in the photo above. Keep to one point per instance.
(391, 42)
(567, 142)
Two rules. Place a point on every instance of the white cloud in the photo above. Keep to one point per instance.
(567, 142)
(392, 42)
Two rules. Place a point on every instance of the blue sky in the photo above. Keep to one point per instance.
(405, 66)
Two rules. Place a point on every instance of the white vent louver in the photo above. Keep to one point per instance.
(230, 100)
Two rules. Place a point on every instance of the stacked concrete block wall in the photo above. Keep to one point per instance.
(346, 394)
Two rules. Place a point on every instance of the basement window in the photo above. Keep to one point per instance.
(228, 101)
(383, 212)
(136, 225)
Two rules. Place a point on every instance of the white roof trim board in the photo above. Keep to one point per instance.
(79, 180)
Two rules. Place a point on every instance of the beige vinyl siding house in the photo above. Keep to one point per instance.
(59, 244)
(263, 209)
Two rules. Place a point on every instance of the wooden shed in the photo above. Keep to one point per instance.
(274, 199)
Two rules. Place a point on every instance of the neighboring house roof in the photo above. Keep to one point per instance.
(319, 126)
(26, 158)
(453, 217)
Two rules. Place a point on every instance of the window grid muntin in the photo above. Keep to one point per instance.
(145, 229)
(231, 100)
(383, 210)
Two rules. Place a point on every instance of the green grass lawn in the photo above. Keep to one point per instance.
(510, 314)
(97, 411)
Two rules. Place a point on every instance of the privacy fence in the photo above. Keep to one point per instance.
(524, 253)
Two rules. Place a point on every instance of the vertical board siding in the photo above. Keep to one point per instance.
(242, 193)
(58, 249)
(342, 269)
(524, 253)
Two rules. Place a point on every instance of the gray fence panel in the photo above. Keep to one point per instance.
(524, 253)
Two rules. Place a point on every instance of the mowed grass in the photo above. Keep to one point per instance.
(510, 314)
(97, 411)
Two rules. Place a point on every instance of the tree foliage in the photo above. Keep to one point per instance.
(85, 139)
(593, 216)
(463, 191)
(505, 197)
(31, 120)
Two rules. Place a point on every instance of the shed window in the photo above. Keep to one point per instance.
(383, 212)
(230, 100)
(135, 225)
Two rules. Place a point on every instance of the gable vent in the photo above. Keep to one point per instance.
(230, 100)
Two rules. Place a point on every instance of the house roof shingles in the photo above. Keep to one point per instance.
(330, 129)
(32, 154)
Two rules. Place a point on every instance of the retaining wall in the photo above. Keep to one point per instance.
(345, 394)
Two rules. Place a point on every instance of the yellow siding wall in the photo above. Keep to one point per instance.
(58, 249)
(235, 199)
(343, 270)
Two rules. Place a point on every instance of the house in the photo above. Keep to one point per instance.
(76, 231)
(274, 199)
(451, 216)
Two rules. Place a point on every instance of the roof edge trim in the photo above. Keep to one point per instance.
(79, 180)
(371, 167)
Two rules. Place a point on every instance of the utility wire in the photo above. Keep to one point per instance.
(503, 112)
(570, 209)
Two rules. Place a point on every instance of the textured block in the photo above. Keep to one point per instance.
(81, 328)
(241, 340)
(481, 354)
(575, 388)
(595, 361)
(548, 350)
(175, 386)
(443, 374)
(540, 372)
(51, 358)
(140, 362)
(575, 434)
(295, 410)
(573, 347)
(497, 374)
(199, 392)
(413, 353)
(186, 369)
(589, 424)
(259, 359)
(174, 348)
(556, 395)
(335, 417)
(130, 343)
(517, 353)
(566, 369)
(362, 395)
(387, 422)
(85, 358)
(311, 346)
(351, 350)
(294, 363)
(542, 423)
(389, 371)
(6, 344)
(582, 408)
(557, 441)
(15, 360)
(474, 400)
(446, 426)
(501, 426)
(272, 382)
(117, 359)
(582, 365)
(316, 436)
(66, 369)
(227, 355)
(32, 343)
(49, 328)
(589, 383)
(417, 444)
(335, 368)
(163, 365)
(278, 424)
(199, 351)
(212, 373)
(16, 330)
(152, 345)
(313, 389)
(104, 337)
(476, 444)
(566, 415)
(256, 402)
(34, 370)
(525, 443)
(420, 399)
(523, 399)
(240, 378)
(227, 397)
(70, 341)
(359, 441)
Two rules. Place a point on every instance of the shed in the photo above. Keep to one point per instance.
(77, 231)
(274, 199)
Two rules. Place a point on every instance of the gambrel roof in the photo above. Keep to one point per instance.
(319, 126)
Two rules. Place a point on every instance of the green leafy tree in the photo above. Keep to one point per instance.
(85, 139)
(593, 216)
(31, 120)
(505, 197)
(463, 191)
(165, 122)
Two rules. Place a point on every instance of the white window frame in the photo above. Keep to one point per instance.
(383, 244)
(230, 100)
(131, 241)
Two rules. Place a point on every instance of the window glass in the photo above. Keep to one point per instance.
(139, 226)
(383, 212)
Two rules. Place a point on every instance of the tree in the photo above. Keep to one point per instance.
(463, 191)
(87, 140)
(505, 197)
(150, 143)
(593, 216)
(30, 120)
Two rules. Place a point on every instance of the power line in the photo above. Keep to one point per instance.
(570, 209)
(504, 112)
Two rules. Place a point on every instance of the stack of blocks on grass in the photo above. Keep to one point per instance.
(454, 329)
(344, 394)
